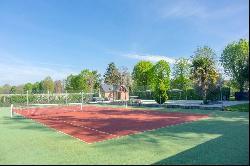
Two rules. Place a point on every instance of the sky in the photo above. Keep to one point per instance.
(60, 37)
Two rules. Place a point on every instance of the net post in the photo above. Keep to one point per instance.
(11, 110)
(27, 97)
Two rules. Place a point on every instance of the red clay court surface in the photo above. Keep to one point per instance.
(96, 124)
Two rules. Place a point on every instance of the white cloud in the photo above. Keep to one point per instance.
(182, 9)
(197, 9)
(152, 58)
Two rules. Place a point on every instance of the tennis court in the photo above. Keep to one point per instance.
(93, 124)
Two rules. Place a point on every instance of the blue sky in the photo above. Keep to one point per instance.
(59, 37)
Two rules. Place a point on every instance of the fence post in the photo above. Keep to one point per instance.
(48, 96)
(82, 96)
(160, 99)
(66, 98)
(27, 97)
(11, 110)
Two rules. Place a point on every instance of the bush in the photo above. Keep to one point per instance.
(160, 96)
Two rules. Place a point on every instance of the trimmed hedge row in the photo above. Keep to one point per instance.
(191, 94)
(7, 100)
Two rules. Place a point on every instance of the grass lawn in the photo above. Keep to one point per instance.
(239, 107)
(221, 139)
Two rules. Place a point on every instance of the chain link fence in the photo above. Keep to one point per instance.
(30, 98)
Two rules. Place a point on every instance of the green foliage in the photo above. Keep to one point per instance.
(112, 75)
(161, 81)
(86, 81)
(181, 74)
(189, 94)
(203, 70)
(91, 79)
(142, 75)
(28, 87)
(239, 107)
(37, 87)
(13, 90)
(5, 89)
(48, 84)
(78, 83)
(235, 60)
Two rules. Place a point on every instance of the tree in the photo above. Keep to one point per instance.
(125, 77)
(69, 83)
(235, 60)
(58, 86)
(37, 87)
(92, 80)
(27, 87)
(19, 89)
(86, 81)
(161, 77)
(203, 70)
(13, 90)
(48, 84)
(143, 75)
(111, 75)
(181, 74)
(5, 89)
(78, 83)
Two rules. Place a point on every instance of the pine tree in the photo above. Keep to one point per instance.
(112, 75)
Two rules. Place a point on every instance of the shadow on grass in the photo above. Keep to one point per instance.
(213, 152)
(229, 147)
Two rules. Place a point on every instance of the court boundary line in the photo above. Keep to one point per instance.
(118, 136)
(58, 131)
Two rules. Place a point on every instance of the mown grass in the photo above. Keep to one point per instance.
(221, 139)
(239, 107)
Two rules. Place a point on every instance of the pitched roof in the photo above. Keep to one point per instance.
(110, 88)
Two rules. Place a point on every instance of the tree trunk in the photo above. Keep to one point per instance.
(204, 94)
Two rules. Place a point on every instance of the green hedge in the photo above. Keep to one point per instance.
(192, 94)
(7, 100)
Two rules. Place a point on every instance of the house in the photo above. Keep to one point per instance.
(114, 92)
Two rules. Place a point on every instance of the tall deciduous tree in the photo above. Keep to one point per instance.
(48, 84)
(28, 87)
(112, 75)
(125, 77)
(5, 89)
(58, 86)
(143, 75)
(37, 87)
(69, 82)
(86, 81)
(203, 70)
(235, 60)
(161, 79)
(92, 80)
(181, 74)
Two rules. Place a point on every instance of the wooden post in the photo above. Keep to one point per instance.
(11, 110)
(48, 97)
(66, 97)
(27, 97)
